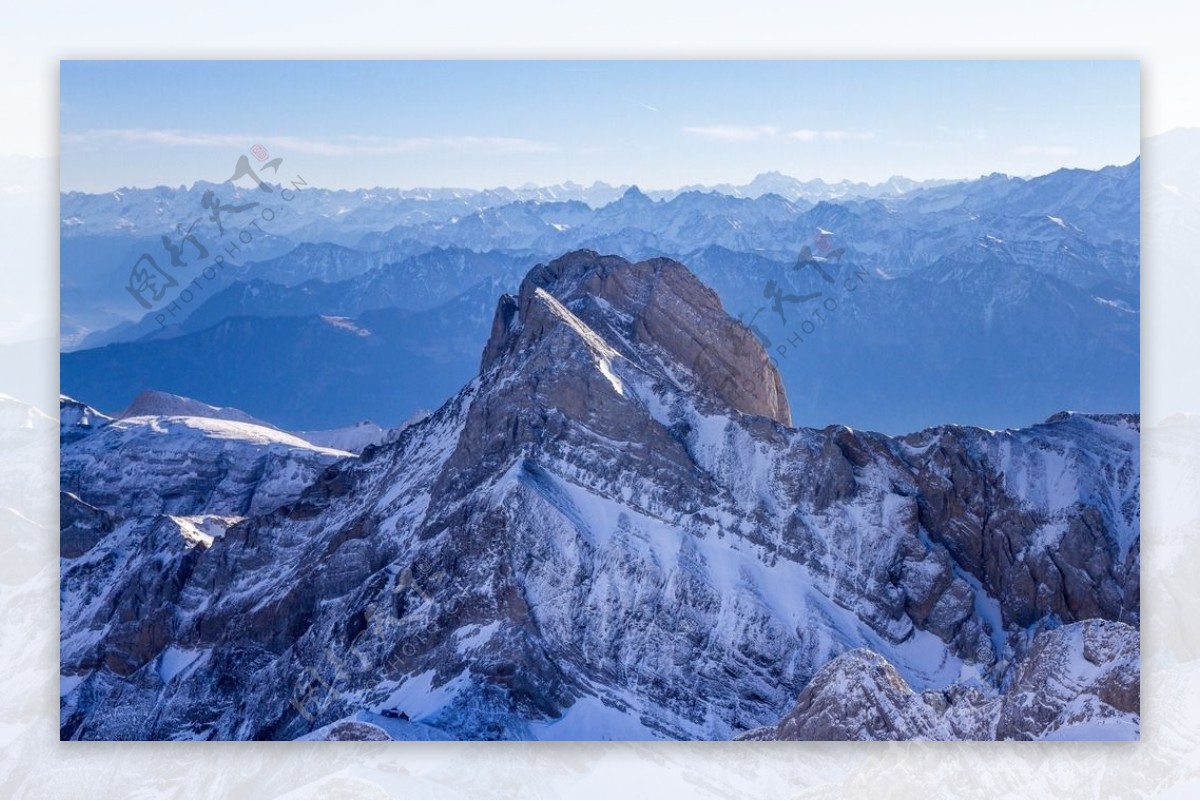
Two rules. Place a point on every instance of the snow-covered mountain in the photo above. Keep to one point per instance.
(776, 183)
(613, 531)
(154, 403)
(324, 234)
(964, 284)
(1079, 682)
(1050, 217)
(78, 420)
(145, 210)
(155, 464)
(333, 236)
(362, 435)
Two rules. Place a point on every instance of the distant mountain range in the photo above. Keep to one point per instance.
(104, 234)
(992, 302)
(134, 209)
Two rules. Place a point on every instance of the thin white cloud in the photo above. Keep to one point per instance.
(847, 136)
(755, 133)
(734, 133)
(1046, 151)
(349, 145)
(809, 135)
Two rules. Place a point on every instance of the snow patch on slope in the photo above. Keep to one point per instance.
(602, 354)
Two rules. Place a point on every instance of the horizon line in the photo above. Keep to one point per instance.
(710, 187)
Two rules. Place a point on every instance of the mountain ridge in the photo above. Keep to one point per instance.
(589, 536)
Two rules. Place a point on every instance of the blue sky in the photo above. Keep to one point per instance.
(656, 124)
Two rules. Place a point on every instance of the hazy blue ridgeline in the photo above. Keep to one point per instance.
(994, 302)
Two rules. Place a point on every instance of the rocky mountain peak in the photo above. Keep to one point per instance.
(654, 316)
(635, 195)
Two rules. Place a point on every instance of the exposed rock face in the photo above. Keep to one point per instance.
(1080, 681)
(82, 525)
(612, 532)
(654, 313)
(129, 538)
(987, 516)
(858, 696)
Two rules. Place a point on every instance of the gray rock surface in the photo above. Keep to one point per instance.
(611, 533)
(1080, 681)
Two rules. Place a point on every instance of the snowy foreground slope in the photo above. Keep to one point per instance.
(612, 532)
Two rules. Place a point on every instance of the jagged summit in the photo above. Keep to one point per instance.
(635, 195)
(654, 317)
